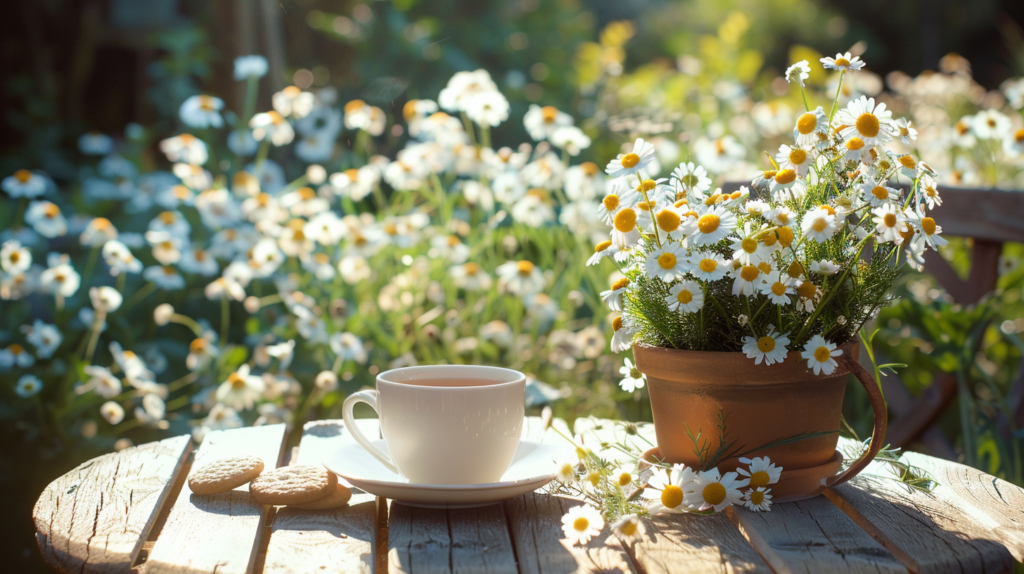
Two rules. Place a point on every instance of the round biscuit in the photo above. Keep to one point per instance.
(339, 497)
(224, 474)
(293, 485)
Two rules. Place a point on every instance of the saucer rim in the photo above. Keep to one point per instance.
(545, 478)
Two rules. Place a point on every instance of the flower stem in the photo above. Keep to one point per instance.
(835, 101)
(225, 320)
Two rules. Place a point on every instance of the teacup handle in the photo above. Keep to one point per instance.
(881, 419)
(369, 397)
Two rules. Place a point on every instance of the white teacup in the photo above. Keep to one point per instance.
(445, 424)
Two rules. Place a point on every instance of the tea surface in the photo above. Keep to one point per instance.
(449, 382)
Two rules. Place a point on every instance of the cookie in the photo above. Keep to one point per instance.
(224, 474)
(293, 485)
(338, 497)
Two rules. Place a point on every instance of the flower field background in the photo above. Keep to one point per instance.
(194, 242)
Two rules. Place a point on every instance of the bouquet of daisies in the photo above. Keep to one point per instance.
(796, 261)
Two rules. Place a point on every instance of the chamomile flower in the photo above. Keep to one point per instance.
(95, 143)
(571, 139)
(819, 353)
(666, 490)
(120, 258)
(541, 122)
(666, 262)
(632, 378)
(273, 127)
(566, 472)
(201, 111)
(602, 250)
(825, 267)
(625, 233)
(778, 287)
(28, 386)
(251, 66)
(781, 215)
(581, 524)
(630, 163)
(60, 278)
(685, 297)
(904, 131)
(488, 108)
(819, 224)
(112, 412)
(708, 266)
(613, 296)
(470, 276)
(758, 499)
(24, 183)
(909, 166)
(46, 219)
(627, 528)
(861, 118)
(692, 178)
(622, 336)
(164, 277)
(794, 158)
(15, 258)
(520, 278)
(761, 471)
(15, 355)
(876, 192)
(811, 128)
(105, 299)
(926, 230)
(622, 477)
(798, 72)
(748, 280)
(757, 207)
(241, 390)
(747, 249)
(713, 225)
(889, 222)
(101, 381)
(1013, 143)
(857, 151)
(990, 124)
(185, 148)
(844, 62)
(771, 348)
(293, 102)
(713, 491)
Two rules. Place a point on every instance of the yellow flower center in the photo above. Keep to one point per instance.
(15, 257)
(770, 239)
(880, 192)
(822, 354)
(525, 267)
(806, 123)
(868, 125)
(854, 144)
(672, 496)
(1018, 136)
(667, 261)
(930, 191)
(611, 202)
(842, 62)
(714, 493)
(713, 199)
(668, 220)
(471, 268)
(928, 225)
(765, 267)
(904, 131)
(759, 479)
(785, 236)
(23, 175)
(783, 217)
(628, 528)
(807, 289)
(589, 168)
(756, 497)
(749, 245)
(16, 349)
(549, 114)
(684, 297)
(630, 160)
(624, 479)
(581, 524)
(602, 246)
(749, 273)
(625, 220)
(708, 223)
(908, 233)
(708, 265)
(620, 284)
(648, 185)
(785, 176)
(797, 156)
(889, 219)
(779, 288)
(51, 211)
(237, 382)
(766, 344)
(908, 161)
(616, 323)
(819, 224)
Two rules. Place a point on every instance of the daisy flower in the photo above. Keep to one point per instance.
(240, 390)
(904, 130)
(520, 278)
(14, 258)
(761, 472)
(15, 354)
(708, 266)
(757, 207)
(819, 353)
(798, 72)
(185, 148)
(863, 119)
(46, 338)
(566, 472)
(889, 222)
(758, 499)
(112, 412)
(201, 111)
(101, 381)
(747, 281)
(581, 524)
(60, 278)
(811, 128)
(857, 151)
(713, 225)
(631, 163)
(273, 127)
(844, 62)
(46, 219)
(770, 348)
(470, 276)
(24, 183)
(622, 477)
(541, 122)
(781, 215)
(819, 224)
(876, 192)
(692, 178)
(613, 296)
(685, 297)
(622, 336)
(712, 490)
(746, 249)
(625, 233)
(632, 379)
(489, 108)
(666, 262)
(667, 490)
(794, 158)
(1013, 144)
(788, 185)
(627, 528)
(252, 66)
(990, 124)
(28, 386)
(824, 267)
(909, 166)
(571, 139)
(105, 299)
(348, 347)
(927, 232)
(777, 287)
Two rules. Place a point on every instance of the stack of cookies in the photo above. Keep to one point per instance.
(304, 486)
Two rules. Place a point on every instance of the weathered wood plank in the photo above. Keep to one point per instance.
(812, 536)
(687, 543)
(96, 517)
(217, 533)
(924, 532)
(989, 501)
(340, 540)
(418, 540)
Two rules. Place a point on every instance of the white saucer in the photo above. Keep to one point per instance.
(533, 466)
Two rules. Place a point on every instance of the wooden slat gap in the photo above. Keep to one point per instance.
(860, 520)
(285, 456)
(380, 546)
(161, 519)
(752, 538)
(511, 536)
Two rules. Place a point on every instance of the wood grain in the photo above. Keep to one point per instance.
(988, 500)
(688, 543)
(812, 536)
(925, 532)
(217, 533)
(429, 540)
(96, 517)
(340, 540)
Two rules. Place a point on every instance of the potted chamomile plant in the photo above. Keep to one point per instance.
(743, 309)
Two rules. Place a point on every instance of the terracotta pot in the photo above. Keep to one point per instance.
(691, 390)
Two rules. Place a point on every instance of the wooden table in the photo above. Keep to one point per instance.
(132, 511)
